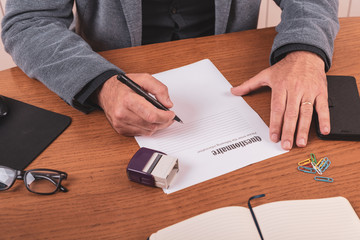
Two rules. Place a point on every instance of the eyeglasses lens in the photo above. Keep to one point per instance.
(42, 181)
(7, 177)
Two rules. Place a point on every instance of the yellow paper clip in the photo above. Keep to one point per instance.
(304, 162)
(316, 168)
(321, 162)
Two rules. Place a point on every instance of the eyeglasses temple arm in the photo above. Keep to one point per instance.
(63, 189)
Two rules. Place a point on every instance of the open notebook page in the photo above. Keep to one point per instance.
(221, 132)
(315, 219)
(223, 223)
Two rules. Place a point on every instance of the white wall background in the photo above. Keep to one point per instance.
(269, 16)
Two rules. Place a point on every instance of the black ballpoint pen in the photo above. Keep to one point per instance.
(136, 88)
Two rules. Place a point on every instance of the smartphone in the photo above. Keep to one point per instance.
(344, 107)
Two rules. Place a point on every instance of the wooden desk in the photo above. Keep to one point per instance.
(103, 204)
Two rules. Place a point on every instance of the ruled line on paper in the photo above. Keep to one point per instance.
(193, 134)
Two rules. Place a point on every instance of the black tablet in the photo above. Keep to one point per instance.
(344, 106)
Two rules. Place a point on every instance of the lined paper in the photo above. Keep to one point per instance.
(191, 134)
(328, 218)
(221, 132)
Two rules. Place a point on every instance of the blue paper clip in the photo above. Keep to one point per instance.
(306, 169)
(323, 179)
(326, 164)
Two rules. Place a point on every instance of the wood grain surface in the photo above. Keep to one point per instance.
(103, 204)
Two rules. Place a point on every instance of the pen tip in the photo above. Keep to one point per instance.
(176, 118)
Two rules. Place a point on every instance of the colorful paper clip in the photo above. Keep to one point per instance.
(321, 162)
(325, 164)
(306, 169)
(316, 168)
(304, 162)
(323, 179)
(313, 158)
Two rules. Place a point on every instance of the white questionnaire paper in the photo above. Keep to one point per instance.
(220, 133)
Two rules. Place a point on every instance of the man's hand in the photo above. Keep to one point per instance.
(298, 83)
(129, 113)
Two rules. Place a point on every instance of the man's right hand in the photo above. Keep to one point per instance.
(129, 113)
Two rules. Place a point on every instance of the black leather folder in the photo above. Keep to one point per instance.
(344, 106)
(26, 131)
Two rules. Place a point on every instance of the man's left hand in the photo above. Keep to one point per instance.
(298, 83)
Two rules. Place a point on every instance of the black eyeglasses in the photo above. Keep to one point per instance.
(40, 181)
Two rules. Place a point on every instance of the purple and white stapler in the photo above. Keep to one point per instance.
(152, 168)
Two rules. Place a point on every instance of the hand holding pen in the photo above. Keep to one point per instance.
(131, 114)
(139, 90)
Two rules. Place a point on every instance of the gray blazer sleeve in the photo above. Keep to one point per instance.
(36, 34)
(309, 22)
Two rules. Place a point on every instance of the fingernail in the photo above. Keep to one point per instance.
(302, 142)
(286, 145)
(274, 137)
(326, 130)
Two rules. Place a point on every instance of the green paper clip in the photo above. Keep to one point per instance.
(323, 179)
(313, 158)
